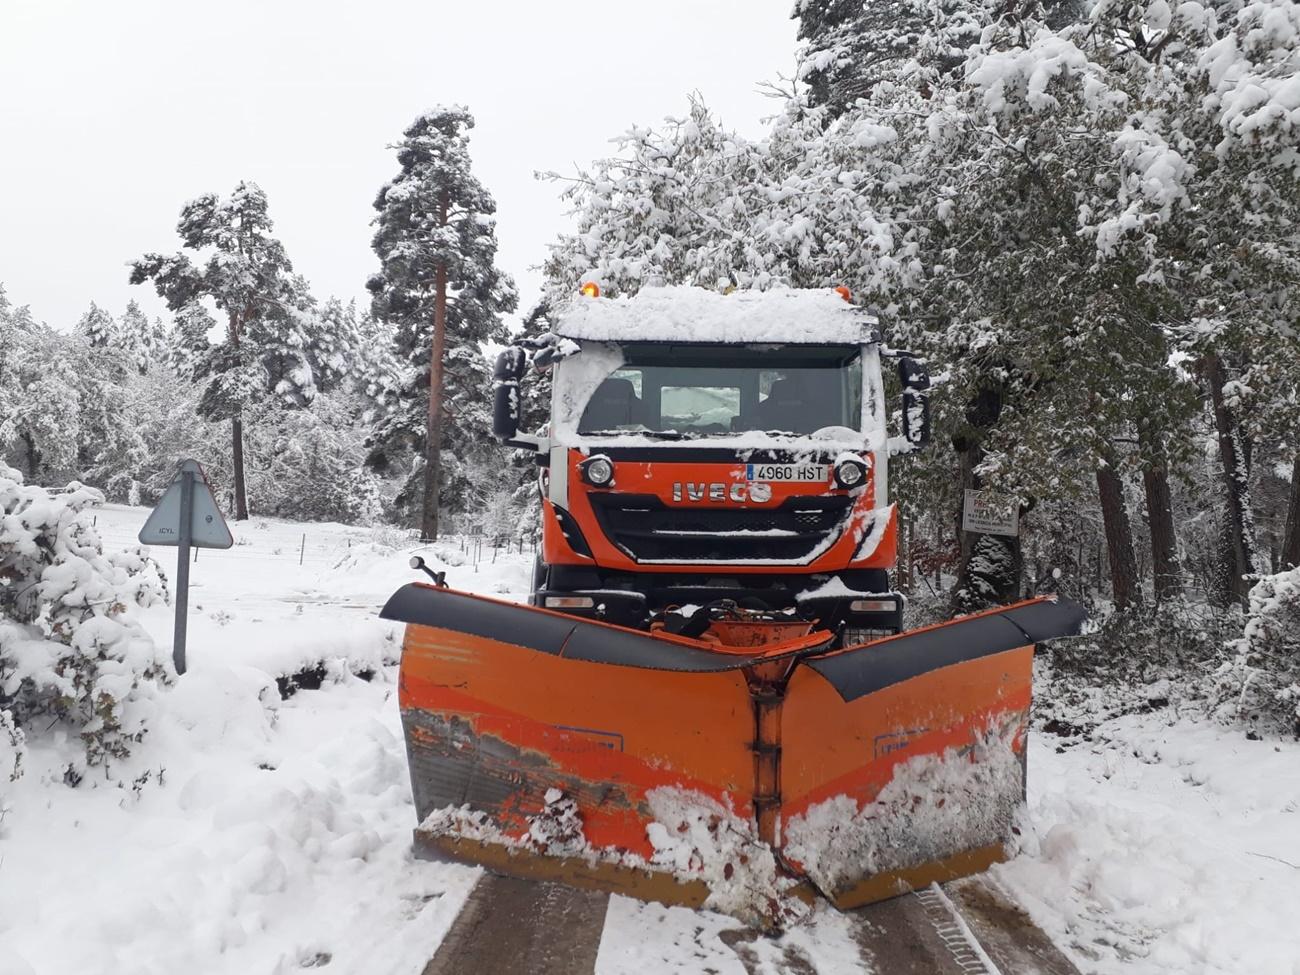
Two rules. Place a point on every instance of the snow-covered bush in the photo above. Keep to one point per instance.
(12, 746)
(69, 652)
(1133, 661)
(1261, 683)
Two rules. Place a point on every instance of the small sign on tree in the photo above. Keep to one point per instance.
(187, 517)
(990, 514)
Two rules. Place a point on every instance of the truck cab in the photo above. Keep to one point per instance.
(705, 447)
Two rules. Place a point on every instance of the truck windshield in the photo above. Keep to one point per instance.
(693, 391)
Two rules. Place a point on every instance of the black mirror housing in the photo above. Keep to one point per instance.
(511, 364)
(509, 370)
(916, 400)
(505, 411)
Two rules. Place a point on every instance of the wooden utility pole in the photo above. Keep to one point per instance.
(433, 446)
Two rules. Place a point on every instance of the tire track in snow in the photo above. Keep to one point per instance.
(523, 927)
(533, 928)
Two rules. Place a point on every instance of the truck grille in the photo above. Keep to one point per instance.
(650, 531)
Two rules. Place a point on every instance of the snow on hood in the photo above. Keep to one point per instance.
(804, 316)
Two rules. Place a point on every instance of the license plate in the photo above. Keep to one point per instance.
(802, 473)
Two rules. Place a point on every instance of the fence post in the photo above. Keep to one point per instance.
(302, 552)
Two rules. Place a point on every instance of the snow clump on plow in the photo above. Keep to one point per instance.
(962, 799)
(694, 838)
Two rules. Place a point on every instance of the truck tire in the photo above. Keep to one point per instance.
(539, 580)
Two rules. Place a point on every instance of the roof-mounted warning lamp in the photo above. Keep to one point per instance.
(591, 290)
(844, 293)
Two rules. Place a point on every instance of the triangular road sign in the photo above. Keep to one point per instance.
(207, 527)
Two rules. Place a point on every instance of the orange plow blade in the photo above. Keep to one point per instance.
(746, 772)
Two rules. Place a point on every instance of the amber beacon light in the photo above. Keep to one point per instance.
(591, 290)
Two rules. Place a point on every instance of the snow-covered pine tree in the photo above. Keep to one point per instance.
(269, 314)
(139, 338)
(440, 291)
(535, 395)
(335, 345)
(1208, 143)
(854, 44)
(534, 414)
(39, 401)
(675, 205)
(97, 327)
(187, 340)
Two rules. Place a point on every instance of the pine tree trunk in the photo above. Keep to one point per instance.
(1234, 453)
(1165, 571)
(991, 565)
(433, 440)
(33, 458)
(237, 448)
(1291, 540)
(1126, 588)
(234, 327)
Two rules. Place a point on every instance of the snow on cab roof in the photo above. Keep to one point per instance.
(801, 316)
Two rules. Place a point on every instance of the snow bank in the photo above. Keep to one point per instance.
(263, 837)
(1162, 847)
(245, 833)
(682, 314)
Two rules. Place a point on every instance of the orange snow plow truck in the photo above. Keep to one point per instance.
(710, 698)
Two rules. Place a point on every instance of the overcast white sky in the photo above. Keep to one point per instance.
(113, 114)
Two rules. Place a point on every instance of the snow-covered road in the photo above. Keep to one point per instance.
(272, 836)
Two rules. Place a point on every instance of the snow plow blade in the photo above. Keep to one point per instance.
(746, 771)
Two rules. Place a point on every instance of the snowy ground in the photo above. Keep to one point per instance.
(273, 836)
(1165, 846)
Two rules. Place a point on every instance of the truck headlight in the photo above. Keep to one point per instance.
(597, 471)
(849, 473)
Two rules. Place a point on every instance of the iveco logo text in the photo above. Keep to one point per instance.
(739, 493)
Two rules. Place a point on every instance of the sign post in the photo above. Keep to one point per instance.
(990, 514)
(186, 517)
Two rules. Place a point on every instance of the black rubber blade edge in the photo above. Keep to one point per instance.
(564, 636)
(862, 670)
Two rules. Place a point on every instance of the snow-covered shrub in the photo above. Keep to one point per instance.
(1179, 641)
(69, 652)
(12, 746)
(1261, 683)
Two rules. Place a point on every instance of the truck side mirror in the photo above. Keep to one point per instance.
(505, 404)
(916, 401)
